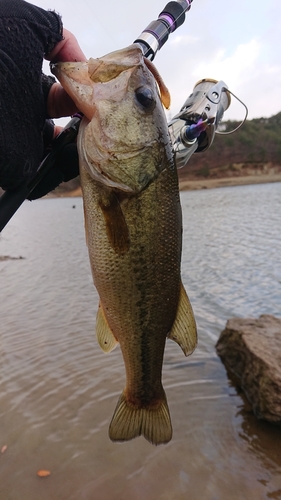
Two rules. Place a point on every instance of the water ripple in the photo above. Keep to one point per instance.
(58, 390)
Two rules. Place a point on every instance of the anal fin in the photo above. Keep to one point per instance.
(184, 330)
(105, 337)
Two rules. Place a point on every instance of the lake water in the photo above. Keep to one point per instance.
(58, 390)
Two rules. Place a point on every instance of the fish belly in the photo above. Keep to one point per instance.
(135, 251)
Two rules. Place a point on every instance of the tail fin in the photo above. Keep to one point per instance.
(129, 422)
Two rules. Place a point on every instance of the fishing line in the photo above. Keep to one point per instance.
(240, 124)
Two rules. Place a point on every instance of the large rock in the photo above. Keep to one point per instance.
(251, 350)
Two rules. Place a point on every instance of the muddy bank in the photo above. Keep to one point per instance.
(228, 181)
(190, 185)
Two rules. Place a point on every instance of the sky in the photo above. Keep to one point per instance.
(234, 41)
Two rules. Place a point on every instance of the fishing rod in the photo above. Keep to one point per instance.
(193, 129)
(157, 32)
(150, 40)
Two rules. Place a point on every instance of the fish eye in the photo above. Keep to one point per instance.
(145, 97)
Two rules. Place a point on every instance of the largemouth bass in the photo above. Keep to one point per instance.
(133, 227)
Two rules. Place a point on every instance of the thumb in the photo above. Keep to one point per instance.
(59, 103)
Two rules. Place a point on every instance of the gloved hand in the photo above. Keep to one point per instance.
(66, 167)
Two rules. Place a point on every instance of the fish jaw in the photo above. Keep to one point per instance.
(83, 80)
(120, 146)
(74, 77)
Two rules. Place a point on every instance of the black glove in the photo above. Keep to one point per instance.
(66, 166)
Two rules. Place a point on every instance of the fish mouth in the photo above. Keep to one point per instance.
(79, 78)
(74, 78)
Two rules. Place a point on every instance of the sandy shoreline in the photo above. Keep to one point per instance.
(229, 181)
(192, 185)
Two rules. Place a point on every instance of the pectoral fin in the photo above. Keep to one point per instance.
(105, 337)
(184, 330)
(116, 226)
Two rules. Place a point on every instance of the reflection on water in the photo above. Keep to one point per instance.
(58, 391)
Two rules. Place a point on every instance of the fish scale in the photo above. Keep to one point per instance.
(133, 228)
